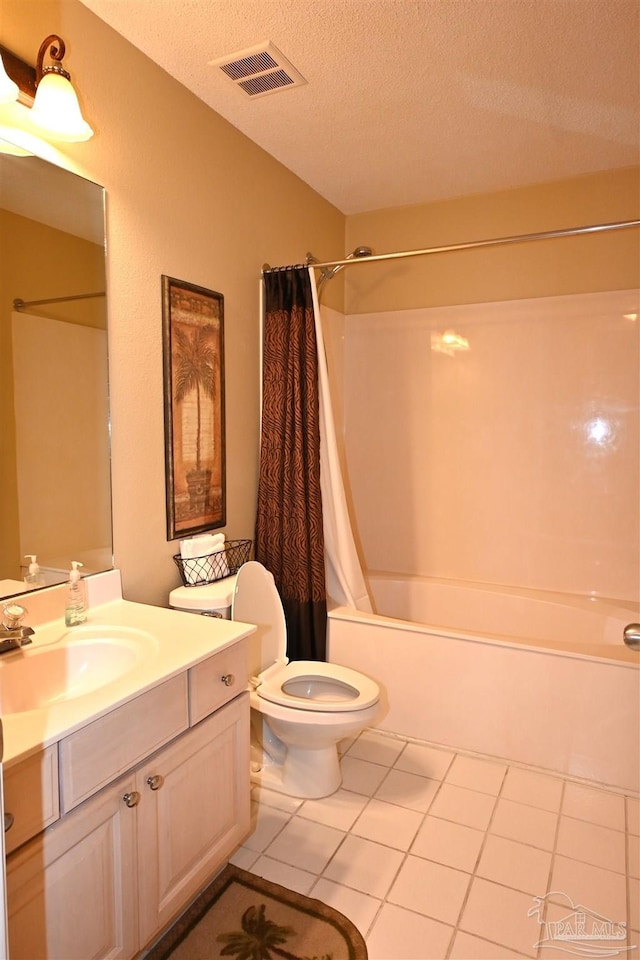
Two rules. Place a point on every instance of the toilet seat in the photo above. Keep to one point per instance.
(310, 685)
(317, 686)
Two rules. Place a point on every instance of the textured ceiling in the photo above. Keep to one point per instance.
(408, 101)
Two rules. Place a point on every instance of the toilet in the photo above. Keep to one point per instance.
(302, 709)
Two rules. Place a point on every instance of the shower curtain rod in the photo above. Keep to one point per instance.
(498, 241)
(19, 304)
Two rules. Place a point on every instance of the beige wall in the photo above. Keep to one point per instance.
(190, 197)
(547, 268)
(36, 261)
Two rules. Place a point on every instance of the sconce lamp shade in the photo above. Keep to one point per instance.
(56, 110)
(8, 88)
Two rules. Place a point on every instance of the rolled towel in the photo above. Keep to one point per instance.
(217, 561)
(195, 551)
(201, 546)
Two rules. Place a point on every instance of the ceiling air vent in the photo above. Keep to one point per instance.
(259, 70)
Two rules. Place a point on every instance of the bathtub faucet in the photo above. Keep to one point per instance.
(631, 635)
(13, 633)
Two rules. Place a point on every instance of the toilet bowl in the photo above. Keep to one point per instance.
(301, 709)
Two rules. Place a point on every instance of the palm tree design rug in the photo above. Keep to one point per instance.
(243, 917)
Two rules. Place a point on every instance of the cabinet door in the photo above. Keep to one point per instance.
(72, 891)
(194, 810)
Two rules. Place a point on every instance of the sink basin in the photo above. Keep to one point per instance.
(81, 661)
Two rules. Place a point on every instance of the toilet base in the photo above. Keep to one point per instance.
(306, 773)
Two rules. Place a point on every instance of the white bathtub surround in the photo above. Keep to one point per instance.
(436, 853)
(563, 694)
(515, 461)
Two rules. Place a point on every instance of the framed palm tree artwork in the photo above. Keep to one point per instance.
(193, 352)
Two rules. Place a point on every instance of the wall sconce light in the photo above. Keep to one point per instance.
(55, 111)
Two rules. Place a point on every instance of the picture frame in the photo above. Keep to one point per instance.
(194, 409)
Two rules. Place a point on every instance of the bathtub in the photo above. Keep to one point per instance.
(526, 676)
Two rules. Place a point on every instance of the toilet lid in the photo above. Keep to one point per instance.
(205, 596)
(314, 685)
(256, 600)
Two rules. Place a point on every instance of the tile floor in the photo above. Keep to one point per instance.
(436, 854)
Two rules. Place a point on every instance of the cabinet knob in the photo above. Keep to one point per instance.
(155, 782)
(8, 822)
(132, 799)
(228, 679)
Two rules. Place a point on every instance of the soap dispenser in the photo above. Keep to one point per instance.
(76, 608)
(34, 577)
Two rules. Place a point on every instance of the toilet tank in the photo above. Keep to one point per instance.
(212, 599)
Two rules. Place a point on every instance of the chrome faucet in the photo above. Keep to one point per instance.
(631, 635)
(13, 633)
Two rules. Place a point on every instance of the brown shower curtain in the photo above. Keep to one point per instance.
(289, 537)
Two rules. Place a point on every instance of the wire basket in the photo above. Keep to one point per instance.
(216, 566)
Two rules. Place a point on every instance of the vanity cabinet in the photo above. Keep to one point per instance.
(96, 754)
(31, 800)
(124, 860)
(72, 892)
(193, 811)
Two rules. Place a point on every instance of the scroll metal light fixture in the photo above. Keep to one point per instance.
(55, 110)
(8, 88)
(10, 93)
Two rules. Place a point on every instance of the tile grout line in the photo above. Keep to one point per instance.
(552, 863)
(516, 764)
(290, 814)
(627, 865)
(424, 814)
(385, 900)
(347, 833)
(473, 875)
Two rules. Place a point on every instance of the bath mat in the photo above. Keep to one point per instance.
(242, 916)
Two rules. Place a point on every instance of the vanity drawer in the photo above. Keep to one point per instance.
(108, 747)
(207, 688)
(31, 796)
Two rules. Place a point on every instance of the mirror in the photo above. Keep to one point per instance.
(55, 489)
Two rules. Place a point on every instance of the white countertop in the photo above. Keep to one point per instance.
(177, 641)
